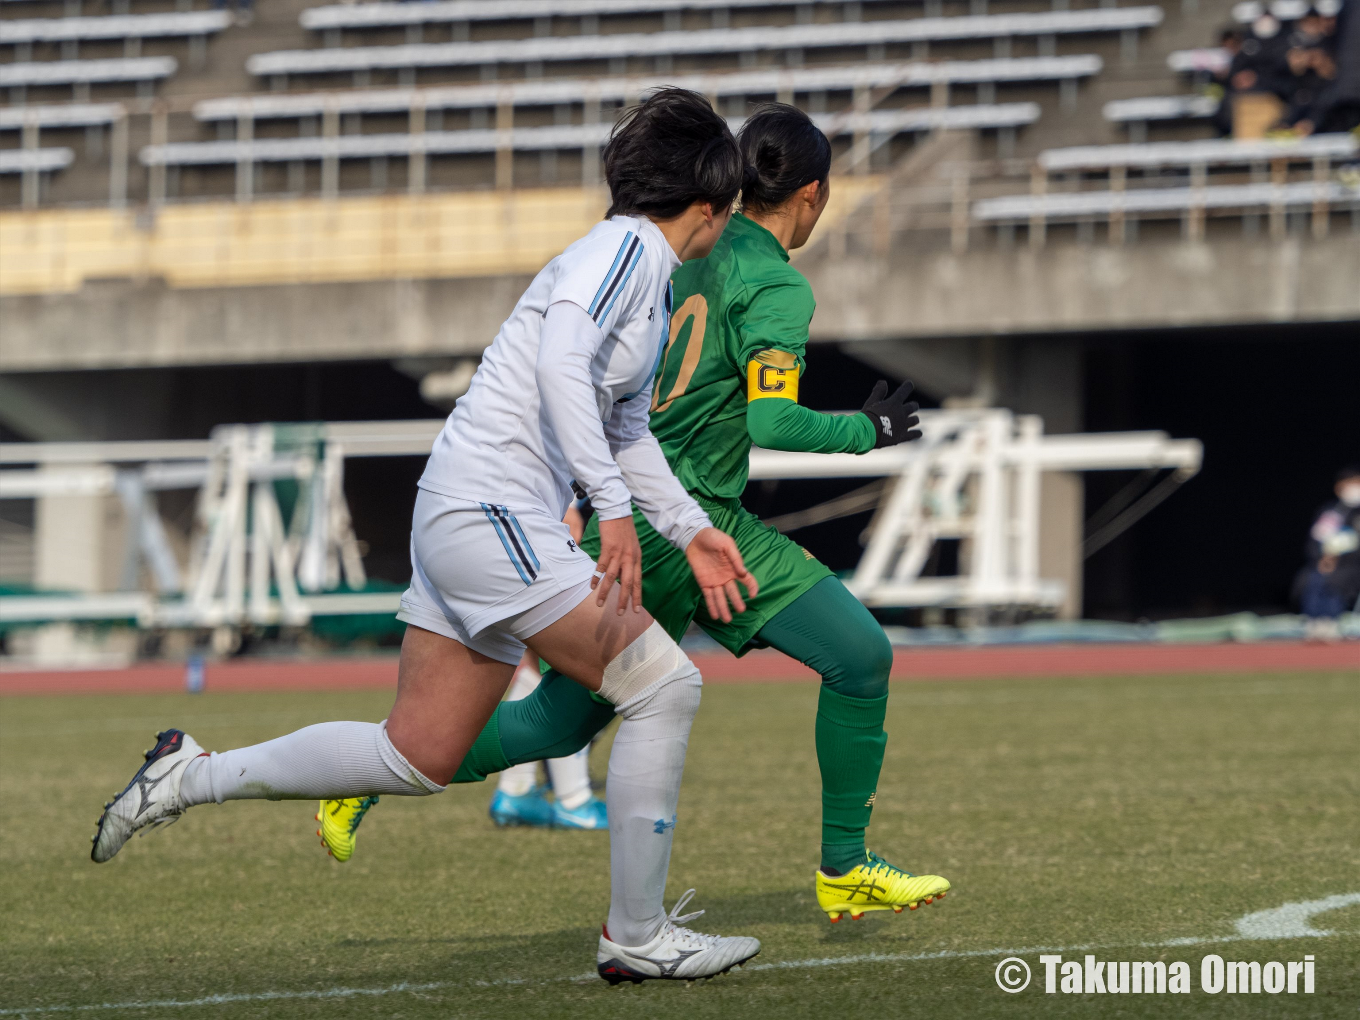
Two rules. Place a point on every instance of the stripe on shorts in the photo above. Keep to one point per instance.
(624, 263)
(513, 539)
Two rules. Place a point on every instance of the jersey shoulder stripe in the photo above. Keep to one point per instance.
(614, 268)
(630, 251)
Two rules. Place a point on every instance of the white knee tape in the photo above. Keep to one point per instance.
(652, 657)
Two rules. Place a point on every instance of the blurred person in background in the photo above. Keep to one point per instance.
(1311, 70)
(1258, 65)
(1337, 106)
(1329, 583)
(1230, 41)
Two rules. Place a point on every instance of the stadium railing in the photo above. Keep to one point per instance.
(878, 125)
(81, 74)
(1136, 114)
(783, 83)
(1046, 26)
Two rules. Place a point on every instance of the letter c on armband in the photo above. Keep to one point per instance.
(772, 374)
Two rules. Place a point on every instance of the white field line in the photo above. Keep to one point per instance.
(1287, 922)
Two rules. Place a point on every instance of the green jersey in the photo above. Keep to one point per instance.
(738, 334)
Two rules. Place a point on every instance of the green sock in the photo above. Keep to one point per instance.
(850, 745)
(485, 755)
(557, 719)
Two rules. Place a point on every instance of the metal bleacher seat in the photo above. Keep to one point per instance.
(31, 121)
(882, 123)
(1137, 113)
(1165, 201)
(784, 83)
(1192, 203)
(81, 74)
(1206, 60)
(33, 163)
(1209, 152)
(335, 17)
(18, 161)
(67, 115)
(131, 28)
(920, 32)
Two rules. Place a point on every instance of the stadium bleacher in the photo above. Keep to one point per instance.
(338, 17)
(1210, 152)
(1204, 60)
(15, 118)
(196, 26)
(1161, 202)
(1136, 114)
(144, 72)
(553, 78)
(279, 66)
(1123, 207)
(879, 125)
(787, 84)
(18, 161)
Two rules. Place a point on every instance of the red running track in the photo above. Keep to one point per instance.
(763, 667)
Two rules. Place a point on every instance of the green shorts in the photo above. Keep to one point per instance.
(782, 567)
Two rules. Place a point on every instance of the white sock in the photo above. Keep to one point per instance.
(518, 780)
(571, 778)
(327, 761)
(645, 768)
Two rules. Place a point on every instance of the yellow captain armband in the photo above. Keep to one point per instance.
(772, 374)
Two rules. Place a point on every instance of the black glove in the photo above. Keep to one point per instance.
(894, 416)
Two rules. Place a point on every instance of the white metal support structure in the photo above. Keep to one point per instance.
(974, 478)
(246, 565)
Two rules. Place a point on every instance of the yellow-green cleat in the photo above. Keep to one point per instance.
(340, 824)
(876, 885)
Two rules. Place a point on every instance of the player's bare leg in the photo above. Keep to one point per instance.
(445, 694)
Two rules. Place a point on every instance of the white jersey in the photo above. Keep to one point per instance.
(539, 416)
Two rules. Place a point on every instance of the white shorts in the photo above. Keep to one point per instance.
(490, 577)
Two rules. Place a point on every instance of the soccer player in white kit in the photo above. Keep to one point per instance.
(560, 402)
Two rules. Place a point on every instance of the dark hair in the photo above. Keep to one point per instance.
(668, 153)
(784, 151)
(1348, 472)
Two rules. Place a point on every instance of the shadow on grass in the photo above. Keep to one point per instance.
(798, 907)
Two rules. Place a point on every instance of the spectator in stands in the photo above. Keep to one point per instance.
(1329, 583)
(1259, 65)
(1311, 30)
(1337, 105)
(1311, 70)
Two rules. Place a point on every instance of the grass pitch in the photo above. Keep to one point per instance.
(1068, 813)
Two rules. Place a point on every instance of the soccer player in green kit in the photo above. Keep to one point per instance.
(728, 378)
